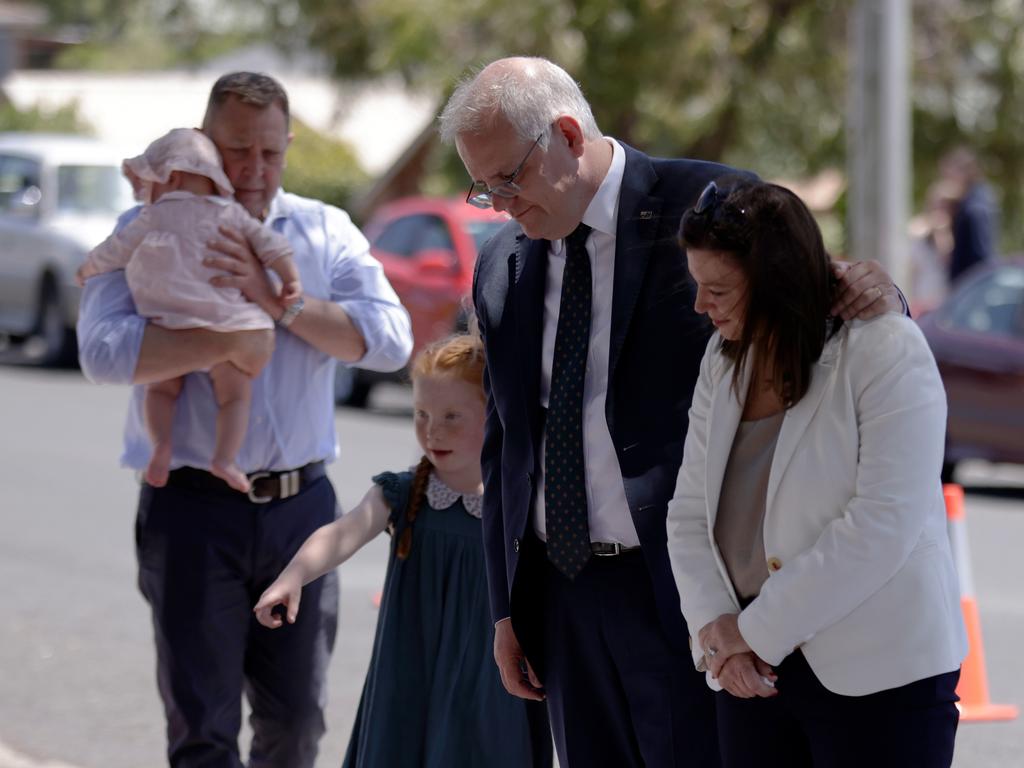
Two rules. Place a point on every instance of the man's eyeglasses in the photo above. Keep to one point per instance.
(482, 196)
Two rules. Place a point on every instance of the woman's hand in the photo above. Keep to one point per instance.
(721, 639)
(286, 591)
(745, 675)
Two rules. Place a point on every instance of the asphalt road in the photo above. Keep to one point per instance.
(77, 686)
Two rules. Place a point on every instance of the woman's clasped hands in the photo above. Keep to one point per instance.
(732, 662)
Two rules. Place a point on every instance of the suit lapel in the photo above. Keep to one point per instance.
(527, 276)
(635, 235)
(799, 417)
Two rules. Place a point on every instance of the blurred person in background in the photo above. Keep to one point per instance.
(975, 214)
(808, 528)
(593, 349)
(931, 246)
(206, 551)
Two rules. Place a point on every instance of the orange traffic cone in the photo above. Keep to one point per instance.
(973, 688)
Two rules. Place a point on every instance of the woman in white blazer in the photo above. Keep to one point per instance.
(807, 532)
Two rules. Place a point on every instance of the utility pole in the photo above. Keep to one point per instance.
(878, 134)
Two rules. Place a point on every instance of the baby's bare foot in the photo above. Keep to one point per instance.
(159, 465)
(229, 472)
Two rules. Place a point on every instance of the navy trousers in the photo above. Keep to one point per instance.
(619, 693)
(807, 725)
(204, 559)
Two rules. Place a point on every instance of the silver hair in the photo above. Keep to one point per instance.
(529, 93)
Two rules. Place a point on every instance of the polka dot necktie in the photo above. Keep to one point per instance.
(565, 490)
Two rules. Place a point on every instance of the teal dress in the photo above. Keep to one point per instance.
(433, 697)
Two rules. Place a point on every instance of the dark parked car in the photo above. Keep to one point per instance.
(977, 337)
(428, 247)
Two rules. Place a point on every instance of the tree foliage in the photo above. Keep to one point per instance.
(320, 167)
(756, 83)
(65, 119)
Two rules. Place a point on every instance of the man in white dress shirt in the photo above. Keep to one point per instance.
(205, 551)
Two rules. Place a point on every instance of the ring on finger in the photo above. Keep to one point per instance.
(711, 652)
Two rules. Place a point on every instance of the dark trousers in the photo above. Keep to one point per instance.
(619, 693)
(204, 560)
(807, 725)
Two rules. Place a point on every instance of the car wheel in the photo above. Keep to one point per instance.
(52, 342)
(359, 397)
(350, 388)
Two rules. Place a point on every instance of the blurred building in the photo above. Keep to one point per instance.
(25, 41)
(379, 120)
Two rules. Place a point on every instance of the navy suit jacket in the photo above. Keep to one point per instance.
(657, 342)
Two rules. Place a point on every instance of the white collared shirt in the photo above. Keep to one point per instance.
(609, 517)
(291, 417)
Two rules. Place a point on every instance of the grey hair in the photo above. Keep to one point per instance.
(530, 93)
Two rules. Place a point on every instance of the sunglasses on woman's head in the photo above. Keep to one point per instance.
(710, 198)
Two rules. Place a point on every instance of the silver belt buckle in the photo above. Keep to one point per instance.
(616, 550)
(252, 488)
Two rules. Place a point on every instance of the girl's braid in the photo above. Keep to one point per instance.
(416, 494)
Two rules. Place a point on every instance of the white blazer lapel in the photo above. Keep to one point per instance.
(724, 418)
(799, 416)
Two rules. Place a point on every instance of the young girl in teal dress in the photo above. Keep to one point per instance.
(433, 697)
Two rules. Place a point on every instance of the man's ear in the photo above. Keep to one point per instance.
(284, 160)
(570, 129)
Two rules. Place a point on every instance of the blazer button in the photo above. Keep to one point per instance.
(774, 564)
(515, 544)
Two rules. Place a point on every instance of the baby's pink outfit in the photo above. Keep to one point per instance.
(162, 252)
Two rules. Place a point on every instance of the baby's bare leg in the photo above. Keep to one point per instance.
(158, 409)
(233, 390)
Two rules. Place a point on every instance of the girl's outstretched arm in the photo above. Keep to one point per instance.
(327, 547)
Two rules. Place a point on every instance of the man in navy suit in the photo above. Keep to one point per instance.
(593, 350)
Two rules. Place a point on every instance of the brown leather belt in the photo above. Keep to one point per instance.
(266, 486)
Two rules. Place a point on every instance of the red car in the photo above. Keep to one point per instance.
(977, 337)
(428, 247)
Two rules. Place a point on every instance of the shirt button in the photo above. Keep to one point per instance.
(774, 564)
(515, 544)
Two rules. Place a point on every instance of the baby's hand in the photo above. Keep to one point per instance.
(290, 292)
(280, 593)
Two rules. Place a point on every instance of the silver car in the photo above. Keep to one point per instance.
(60, 195)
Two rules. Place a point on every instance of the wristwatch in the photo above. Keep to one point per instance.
(291, 312)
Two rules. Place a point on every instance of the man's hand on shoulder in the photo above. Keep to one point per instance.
(865, 290)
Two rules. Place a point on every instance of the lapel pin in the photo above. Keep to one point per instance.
(646, 214)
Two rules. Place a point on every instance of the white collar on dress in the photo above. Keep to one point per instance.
(440, 496)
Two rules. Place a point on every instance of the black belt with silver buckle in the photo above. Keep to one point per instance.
(604, 549)
(266, 486)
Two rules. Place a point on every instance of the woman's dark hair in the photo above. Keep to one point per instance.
(790, 286)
